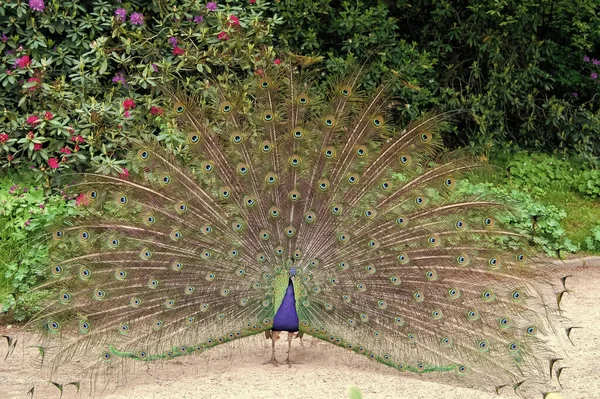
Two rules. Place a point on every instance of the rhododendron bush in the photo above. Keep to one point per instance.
(82, 79)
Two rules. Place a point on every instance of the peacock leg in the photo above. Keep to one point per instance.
(274, 335)
(291, 336)
(300, 335)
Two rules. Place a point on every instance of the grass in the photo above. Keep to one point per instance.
(583, 214)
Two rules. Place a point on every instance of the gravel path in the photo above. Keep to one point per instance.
(236, 370)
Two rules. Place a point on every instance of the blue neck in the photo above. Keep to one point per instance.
(286, 318)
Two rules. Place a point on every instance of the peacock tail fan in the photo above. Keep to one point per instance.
(389, 260)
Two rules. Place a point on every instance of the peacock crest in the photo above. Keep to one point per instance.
(299, 209)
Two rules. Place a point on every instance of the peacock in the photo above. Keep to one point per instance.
(300, 207)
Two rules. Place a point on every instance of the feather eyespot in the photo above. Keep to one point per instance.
(266, 146)
(84, 326)
(208, 166)
(143, 154)
(165, 180)
(84, 273)
(504, 322)
(298, 132)
(472, 315)
(120, 275)
(84, 235)
(377, 121)
(353, 178)
(450, 182)
(337, 210)
(346, 90)
(303, 99)
(237, 138)
(310, 217)
(57, 270)
(405, 159)
(425, 137)
(242, 169)
(395, 280)
(92, 194)
(179, 108)
(279, 250)
(193, 138)
(323, 184)
(153, 283)
(58, 235)
(294, 195)
(64, 297)
(295, 160)
(226, 107)
(268, 116)
(122, 199)
(329, 121)
(290, 231)
(177, 266)
(361, 151)
(135, 302)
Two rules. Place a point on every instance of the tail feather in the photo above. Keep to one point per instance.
(388, 259)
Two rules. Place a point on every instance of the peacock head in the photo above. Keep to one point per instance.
(292, 272)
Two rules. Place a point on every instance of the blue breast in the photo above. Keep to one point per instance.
(286, 318)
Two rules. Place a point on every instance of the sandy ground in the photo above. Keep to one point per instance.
(236, 370)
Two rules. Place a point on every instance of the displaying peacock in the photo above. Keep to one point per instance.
(306, 212)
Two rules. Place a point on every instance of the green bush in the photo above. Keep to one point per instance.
(25, 215)
(81, 79)
(526, 72)
(541, 223)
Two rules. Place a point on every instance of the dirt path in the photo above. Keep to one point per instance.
(235, 370)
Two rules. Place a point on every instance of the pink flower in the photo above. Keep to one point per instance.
(23, 62)
(37, 147)
(32, 120)
(53, 163)
(198, 19)
(125, 174)
(119, 78)
(211, 6)
(222, 36)
(126, 114)
(121, 14)
(595, 61)
(594, 75)
(81, 199)
(586, 58)
(37, 5)
(30, 135)
(178, 51)
(277, 61)
(27, 223)
(136, 19)
(3, 138)
(252, 1)
(42, 206)
(157, 111)
(260, 72)
(48, 116)
(173, 41)
(233, 21)
(128, 104)
(65, 150)
(36, 80)
(78, 139)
